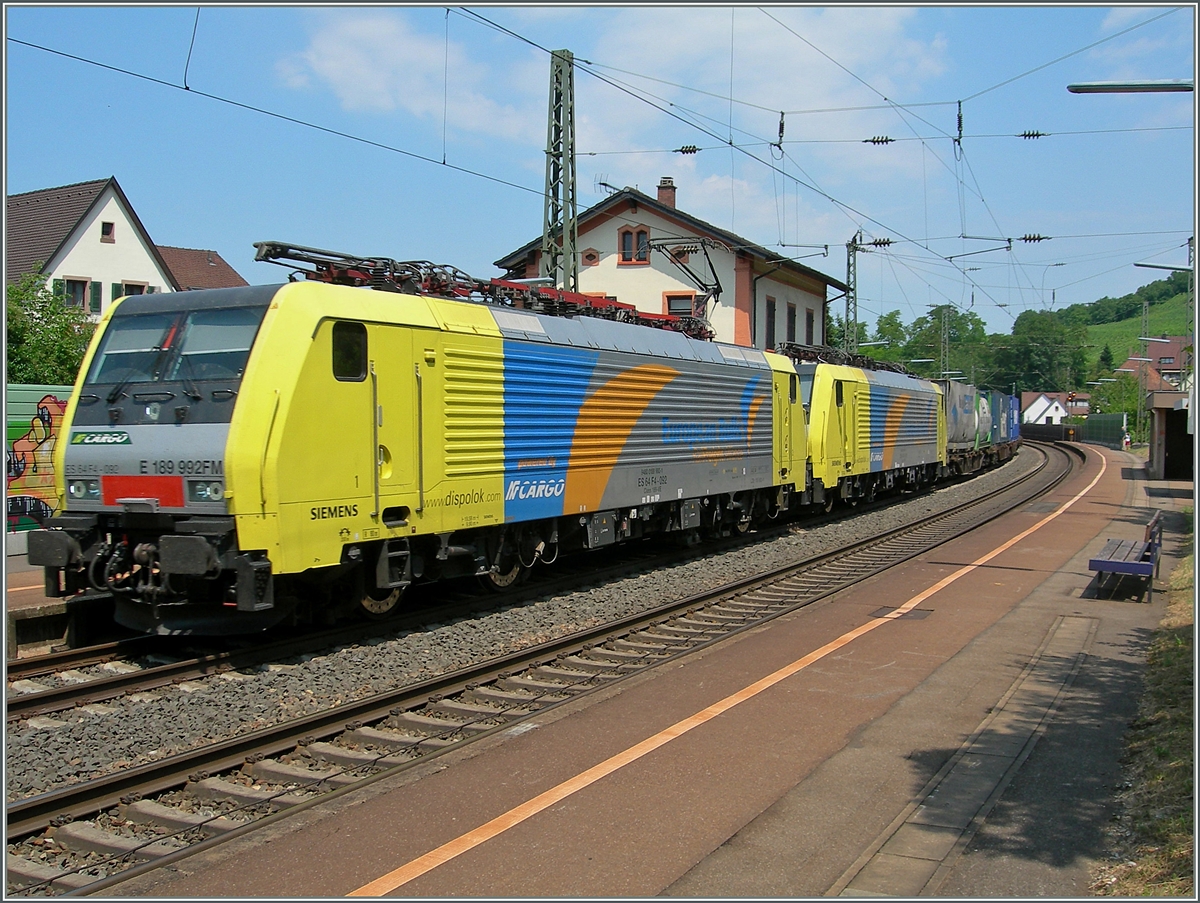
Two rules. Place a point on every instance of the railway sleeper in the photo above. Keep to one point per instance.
(283, 773)
(344, 757)
(677, 632)
(84, 837)
(21, 872)
(220, 789)
(602, 666)
(149, 812)
(395, 740)
(568, 676)
(718, 616)
(434, 726)
(702, 623)
(643, 648)
(541, 687)
(390, 742)
(604, 653)
(462, 707)
(495, 696)
(760, 597)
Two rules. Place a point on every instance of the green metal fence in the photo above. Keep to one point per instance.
(1103, 429)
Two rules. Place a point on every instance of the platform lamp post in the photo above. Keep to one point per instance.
(1140, 86)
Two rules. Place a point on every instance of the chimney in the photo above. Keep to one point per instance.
(666, 191)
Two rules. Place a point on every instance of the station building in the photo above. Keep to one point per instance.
(645, 251)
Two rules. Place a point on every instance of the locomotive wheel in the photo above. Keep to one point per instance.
(379, 603)
(503, 581)
(829, 500)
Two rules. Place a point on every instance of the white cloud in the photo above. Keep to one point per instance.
(377, 62)
(774, 70)
(1124, 16)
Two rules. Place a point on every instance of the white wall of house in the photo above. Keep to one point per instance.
(89, 257)
(1044, 410)
(804, 303)
(648, 285)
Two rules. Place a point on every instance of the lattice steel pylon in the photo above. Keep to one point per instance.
(850, 333)
(560, 226)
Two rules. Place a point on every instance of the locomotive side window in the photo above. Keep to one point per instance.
(793, 385)
(837, 393)
(349, 352)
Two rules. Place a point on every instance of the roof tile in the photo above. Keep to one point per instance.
(199, 268)
(39, 221)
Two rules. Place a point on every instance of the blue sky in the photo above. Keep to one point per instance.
(1112, 183)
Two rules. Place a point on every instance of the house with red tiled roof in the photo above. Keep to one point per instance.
(89, 243)
(1162, 367)
(199, 268)
(648, 252)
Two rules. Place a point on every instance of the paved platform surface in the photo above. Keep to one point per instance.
(966, 748)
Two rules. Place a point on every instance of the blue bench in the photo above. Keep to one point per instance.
(1129, 556)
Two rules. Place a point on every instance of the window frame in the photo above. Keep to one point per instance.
(111, 237)
(360, 329)
(84, 298)
(679, 296)
(637, 237)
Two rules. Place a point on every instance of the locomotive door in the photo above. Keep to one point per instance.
(844, 401)
(394, 424)
(783, 431)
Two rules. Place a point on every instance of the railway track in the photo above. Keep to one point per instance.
(46, 684)
(146, 817)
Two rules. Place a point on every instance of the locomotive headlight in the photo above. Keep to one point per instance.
(205, 490)
(84, 489)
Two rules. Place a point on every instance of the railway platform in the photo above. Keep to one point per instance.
(968, 746)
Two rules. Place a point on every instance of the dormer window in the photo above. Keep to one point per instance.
(633, 244)
(108, 232)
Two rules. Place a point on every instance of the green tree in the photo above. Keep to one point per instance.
(966, 332)
(1105, 362)
(46, 338)
(1118, 397)
(889, 328)
(835, 330)
(1043, 354)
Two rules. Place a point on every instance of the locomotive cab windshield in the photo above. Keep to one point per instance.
(172, 350)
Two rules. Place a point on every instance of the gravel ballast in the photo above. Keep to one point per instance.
(150, 726)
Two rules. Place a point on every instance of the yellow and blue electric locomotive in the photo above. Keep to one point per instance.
(234, 458)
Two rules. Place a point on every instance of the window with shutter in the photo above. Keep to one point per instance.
(76, 293)
(96, 297)
(116, 290)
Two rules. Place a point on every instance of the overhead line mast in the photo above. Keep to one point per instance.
(560, 226)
